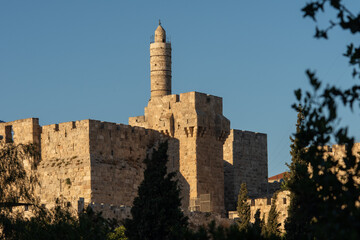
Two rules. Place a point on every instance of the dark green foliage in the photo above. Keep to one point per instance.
(243, 208)
(57, 223)
(323, 200)
(297, 224)
(345, 19)
(231, 233)
(259, 224)
(156, 211)
(117, 234)
(323, 206)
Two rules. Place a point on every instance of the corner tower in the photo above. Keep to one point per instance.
(160, 64)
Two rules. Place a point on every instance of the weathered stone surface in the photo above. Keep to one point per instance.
(194, 120)
(245, 161)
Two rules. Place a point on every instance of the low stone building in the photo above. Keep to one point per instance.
(282, 202)
(96, 163)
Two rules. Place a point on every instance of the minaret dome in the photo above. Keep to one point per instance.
(160, 34)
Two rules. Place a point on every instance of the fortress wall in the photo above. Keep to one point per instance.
(64, 171)
(21, 131)
(210, 173)
(117, 152)
(245, 155)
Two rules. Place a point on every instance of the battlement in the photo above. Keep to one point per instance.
(248, 133)
(66, 126)
(125, 131)
(111, 211)
(21, 131)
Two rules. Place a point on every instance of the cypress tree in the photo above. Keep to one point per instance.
(258, 223)
(156, 212)
(301, 187)
(272, 225)
(243, 208)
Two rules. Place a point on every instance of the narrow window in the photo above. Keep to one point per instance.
(268, 202)
(284, 200)
(252, 202)
(9, 134)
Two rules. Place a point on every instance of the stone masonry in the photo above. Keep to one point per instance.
(245, 160)
(100, 164)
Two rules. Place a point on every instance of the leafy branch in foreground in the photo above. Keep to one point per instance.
(17, 184)
(331, 182)
(325, 188)
(345, 19)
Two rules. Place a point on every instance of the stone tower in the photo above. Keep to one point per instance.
(160, 64)
(197, 130)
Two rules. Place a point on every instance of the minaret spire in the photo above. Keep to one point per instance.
(160, 64)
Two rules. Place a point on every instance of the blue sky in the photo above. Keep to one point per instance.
(70, 60)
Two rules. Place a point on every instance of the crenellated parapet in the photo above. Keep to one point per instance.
(190, 114)
(21, 131)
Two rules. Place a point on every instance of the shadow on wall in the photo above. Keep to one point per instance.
(174, 166)
(230, 196)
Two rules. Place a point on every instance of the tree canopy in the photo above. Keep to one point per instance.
(322, 199)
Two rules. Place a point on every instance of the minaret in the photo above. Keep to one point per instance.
(160, 64)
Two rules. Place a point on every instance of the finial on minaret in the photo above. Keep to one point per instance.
(159, 22)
